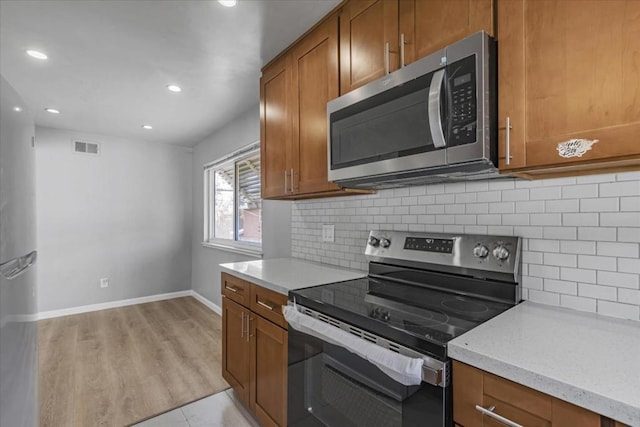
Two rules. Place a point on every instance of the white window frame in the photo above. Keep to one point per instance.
(231, 245)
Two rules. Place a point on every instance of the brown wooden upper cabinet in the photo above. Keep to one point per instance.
(294, 91)
(380, 36)
(569, 85)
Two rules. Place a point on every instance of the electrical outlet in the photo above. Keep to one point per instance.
(104, 282)
(328, 231)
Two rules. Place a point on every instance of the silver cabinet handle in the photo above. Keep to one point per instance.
(507, 142)
(242, 327)
(402, 43)
(292, 185)
(231, 288)
(489, 413)
(435, 117)
(15, 267)
(386, 58)
(265, 305)
(285, 182)
(249, 319)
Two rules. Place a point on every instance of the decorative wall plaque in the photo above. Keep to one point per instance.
(575, 147)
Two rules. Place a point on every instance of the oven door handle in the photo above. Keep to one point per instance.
(403, 369)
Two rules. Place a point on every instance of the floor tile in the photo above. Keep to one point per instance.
(173, 418)
(252, 420)
(214, 411)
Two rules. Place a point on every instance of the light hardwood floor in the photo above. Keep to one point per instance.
(119, 366)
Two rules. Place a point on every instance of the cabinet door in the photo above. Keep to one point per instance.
(269, 372)
(315, 82)
(235, 347)
(275, 129)
(569, 81)
(467, 393)
(366, 26)
(431, 25)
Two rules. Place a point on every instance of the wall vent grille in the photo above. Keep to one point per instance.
(84, 147)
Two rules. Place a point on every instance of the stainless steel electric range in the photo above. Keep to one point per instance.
(373, 351)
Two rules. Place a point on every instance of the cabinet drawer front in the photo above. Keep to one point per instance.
(513, 413)
(268, 304)
(531, 401)
(236, 289)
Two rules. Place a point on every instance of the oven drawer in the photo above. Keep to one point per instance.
(268, 304)
(236, 289)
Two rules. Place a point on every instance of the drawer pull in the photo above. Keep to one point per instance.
(232, 288)
(265, 305)
(489, 413)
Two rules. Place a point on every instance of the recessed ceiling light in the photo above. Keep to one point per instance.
(17, 109)
(148, 127)
(227, 3)
(37, 54)
(52, 110)
(174, 88)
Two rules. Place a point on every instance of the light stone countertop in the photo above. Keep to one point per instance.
(286, 274)
(590, 360)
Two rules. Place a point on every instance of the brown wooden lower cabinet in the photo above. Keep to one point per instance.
(254, 350)
(520, 404)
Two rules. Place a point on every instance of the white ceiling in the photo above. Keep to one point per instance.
(110, 61)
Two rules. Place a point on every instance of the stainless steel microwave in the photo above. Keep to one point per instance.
(433, 120)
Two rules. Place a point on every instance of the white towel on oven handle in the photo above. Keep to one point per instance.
(406, 370)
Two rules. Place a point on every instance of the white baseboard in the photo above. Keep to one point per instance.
(209, 304)
(115, 304)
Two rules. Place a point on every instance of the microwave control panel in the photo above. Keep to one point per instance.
(462, 86)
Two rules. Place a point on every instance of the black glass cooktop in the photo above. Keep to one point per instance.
(421, 318)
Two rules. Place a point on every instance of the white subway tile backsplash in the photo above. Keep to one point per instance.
(544, 297)
(622, 219)
(578, 274)
(625, 188)
(630, 204)
(629, 296)
(628, 250)
(599, 234)
(619, 280)
(578, 247)
(561, 260)
(567, 233)
(580, 191)
(544, 271)
(578, 303)
(544, 245)
(624, 311)
(545, 193)
(546, 219)
(537, 206)
(602, 204)
(597, 292)
(597, 262)
(581, 236)
(561, 287)
(629, 265)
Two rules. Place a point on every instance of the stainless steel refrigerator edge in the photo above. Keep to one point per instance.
(18, 310)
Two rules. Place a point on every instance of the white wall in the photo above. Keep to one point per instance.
(581, 235)
(276, 215)
(125, 214)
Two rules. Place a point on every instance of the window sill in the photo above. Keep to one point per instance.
(237, 248)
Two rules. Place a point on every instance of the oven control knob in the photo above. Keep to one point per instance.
(374, 241)
(500, 253)
(480, 251)
(385, 243)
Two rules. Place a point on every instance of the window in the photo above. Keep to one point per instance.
(233, 204)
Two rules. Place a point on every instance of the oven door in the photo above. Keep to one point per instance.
(331, 386)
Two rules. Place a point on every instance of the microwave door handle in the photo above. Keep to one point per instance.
(435, 117)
